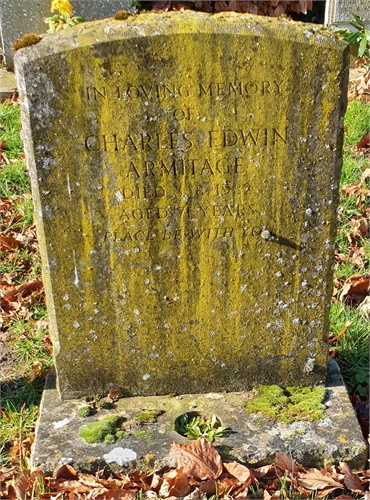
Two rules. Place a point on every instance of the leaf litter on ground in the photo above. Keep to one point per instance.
(200, 473)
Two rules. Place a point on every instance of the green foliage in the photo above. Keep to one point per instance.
(18, 412)
(352, 206)
(352, 346)
(10, 126)
(105, 405)
(62, 21)
(29, 349)
(360, 36)
(13, 179)
(109, 439)
(121, 435)
(99, 431)
(84, 411)
(291, 404)
(16, 420)
(148, 416)
(23, 211)
(195, 426)
(24, 263)
(356, 123)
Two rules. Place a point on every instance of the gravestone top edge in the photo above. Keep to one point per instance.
(172, 23)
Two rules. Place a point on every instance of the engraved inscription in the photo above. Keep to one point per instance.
(183, 167)
(190, 212)
(163, 91)
(220, 138)
(205, 153)
(210, 233)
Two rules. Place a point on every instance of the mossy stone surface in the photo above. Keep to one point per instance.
(252, 440)
(148, 416)
(101, 430)
(292, 404)
(185, 171)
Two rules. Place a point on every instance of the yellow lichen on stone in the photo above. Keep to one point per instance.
(186, 183)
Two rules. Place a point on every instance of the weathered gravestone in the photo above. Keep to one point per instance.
(185, 176)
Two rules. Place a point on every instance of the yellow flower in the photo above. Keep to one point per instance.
(63, 6)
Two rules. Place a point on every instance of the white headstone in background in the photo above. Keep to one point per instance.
(339, 12)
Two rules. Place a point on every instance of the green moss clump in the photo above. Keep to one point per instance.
(140, 434)
(145, 434)
(84, 411)
(291, 404)
(99, 431)
(109, 439)
(122, 15)
(148, 416)
(28, 40)
(105, 405)
(122, 435)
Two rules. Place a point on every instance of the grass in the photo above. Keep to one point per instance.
(356, 125)
(10, 125)
(13, 179)
(29, 347)
(25, 330)
(352, 347)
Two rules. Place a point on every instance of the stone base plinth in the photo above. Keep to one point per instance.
(8, 86)
(251, 439)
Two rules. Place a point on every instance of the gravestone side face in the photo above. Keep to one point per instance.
(185, 174)
(340, 12)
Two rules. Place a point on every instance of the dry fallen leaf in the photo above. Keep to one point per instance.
(24, 290)
(351, 480)
(175, 483)
(161, 6)
(365, 306)
(364, 142)
(343, 497)
(241, 472)
(314, 479)
(199, 459)
(356, 257)
(20, 448)
(66, 472)
(116, 494)
(342, 332)
(284, 462)
(325, 492)
(9, 243)
(354, 285)
(20, 486)
(360, 228)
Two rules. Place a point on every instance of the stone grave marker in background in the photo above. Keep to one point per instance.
(185, 175)
(339, 12)
(27, 16)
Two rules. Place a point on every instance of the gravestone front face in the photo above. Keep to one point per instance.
(185, 174)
